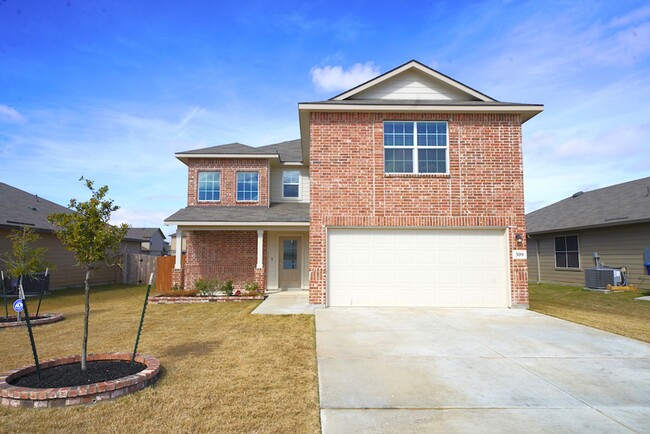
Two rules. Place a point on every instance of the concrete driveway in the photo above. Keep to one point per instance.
(476, 370)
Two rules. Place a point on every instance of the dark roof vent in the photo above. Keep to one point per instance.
(580, 193)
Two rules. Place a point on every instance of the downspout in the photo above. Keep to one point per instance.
(539, 273)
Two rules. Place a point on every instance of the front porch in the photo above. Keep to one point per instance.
(275, 258)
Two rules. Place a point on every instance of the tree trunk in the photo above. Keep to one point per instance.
(84, 344)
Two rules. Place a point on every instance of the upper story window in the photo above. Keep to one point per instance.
(567, 252)
(291, 184)
(415, 147)
(247, 186)
(209, 186)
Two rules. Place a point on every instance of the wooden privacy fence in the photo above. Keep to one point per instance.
(136, 268)
(164, 267)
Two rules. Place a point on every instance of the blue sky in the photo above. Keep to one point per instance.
(111, 89)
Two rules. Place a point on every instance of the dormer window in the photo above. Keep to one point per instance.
(291, 184)
(416, 147)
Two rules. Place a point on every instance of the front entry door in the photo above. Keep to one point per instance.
(290, 263)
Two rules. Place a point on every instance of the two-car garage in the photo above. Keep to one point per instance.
(417, 267)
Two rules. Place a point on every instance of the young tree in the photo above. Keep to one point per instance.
(25, 259)
(87, 233)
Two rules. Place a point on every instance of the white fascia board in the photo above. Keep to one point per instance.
(186, 224)
(425, 70)
(527, 111)
(179, 156)
(305, 132)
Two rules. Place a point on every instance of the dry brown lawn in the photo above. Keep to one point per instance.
(224, 370)
(616, 312)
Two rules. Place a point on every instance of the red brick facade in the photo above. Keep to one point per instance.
(228, 168)
(484, 187)
(224, 255)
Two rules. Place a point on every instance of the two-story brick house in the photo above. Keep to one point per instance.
(404, 191)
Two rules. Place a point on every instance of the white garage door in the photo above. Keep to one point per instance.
(442, 268)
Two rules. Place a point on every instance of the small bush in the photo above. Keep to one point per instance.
(252, 288)
(201, 285)
(177, 287)
(227, 287)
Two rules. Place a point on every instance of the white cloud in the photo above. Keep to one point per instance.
(10, 114)
(625, 141)
(335, 78)
(141, 218)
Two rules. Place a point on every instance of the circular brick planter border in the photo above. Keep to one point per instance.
(14, 396)
(49, 318)
(164, 299)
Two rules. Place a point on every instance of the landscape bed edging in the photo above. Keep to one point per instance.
(164, 299)
(48, 318)
(33, 397)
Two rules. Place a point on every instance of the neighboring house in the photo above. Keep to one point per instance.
(172, 246)
(19, 208)
(612, 221)
(404, 191)
(152, 240)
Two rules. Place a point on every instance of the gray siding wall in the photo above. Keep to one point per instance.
(66, 273)
(616, 245)
(276, 184)
(156, 244)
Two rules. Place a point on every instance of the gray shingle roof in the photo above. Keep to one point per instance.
(277, 212)
(143, 234)
(19, 208)
(289, 151)
(610, 206)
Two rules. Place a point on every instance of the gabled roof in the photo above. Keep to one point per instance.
(20, 208)
(286, 152)
(619, 204)
(143, 234)
(413, 65)
(411, 87)
(240, 215)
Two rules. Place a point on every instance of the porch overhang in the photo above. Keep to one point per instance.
(228, 217)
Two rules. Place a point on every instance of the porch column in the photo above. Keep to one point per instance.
(260, 248)
(179, 248)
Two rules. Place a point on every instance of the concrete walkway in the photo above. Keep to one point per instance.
(286, 303)
(476, 370)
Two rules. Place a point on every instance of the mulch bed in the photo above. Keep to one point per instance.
(109, 376)
(166, 299)
(22, 318)
(46, 318)
(72, 375)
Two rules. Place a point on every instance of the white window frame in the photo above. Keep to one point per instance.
(414, 150)
(579, 267)
(299, 185)
(237, 186)
(198, 186)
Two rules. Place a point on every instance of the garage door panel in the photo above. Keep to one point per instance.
(380, 267)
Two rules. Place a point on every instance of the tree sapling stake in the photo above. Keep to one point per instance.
(144, 309)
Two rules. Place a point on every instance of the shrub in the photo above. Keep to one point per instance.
(202, 285)
(227, 287)
(252, 288)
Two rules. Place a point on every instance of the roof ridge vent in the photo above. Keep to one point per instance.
(580, 193)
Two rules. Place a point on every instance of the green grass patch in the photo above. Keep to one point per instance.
(616, 312)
